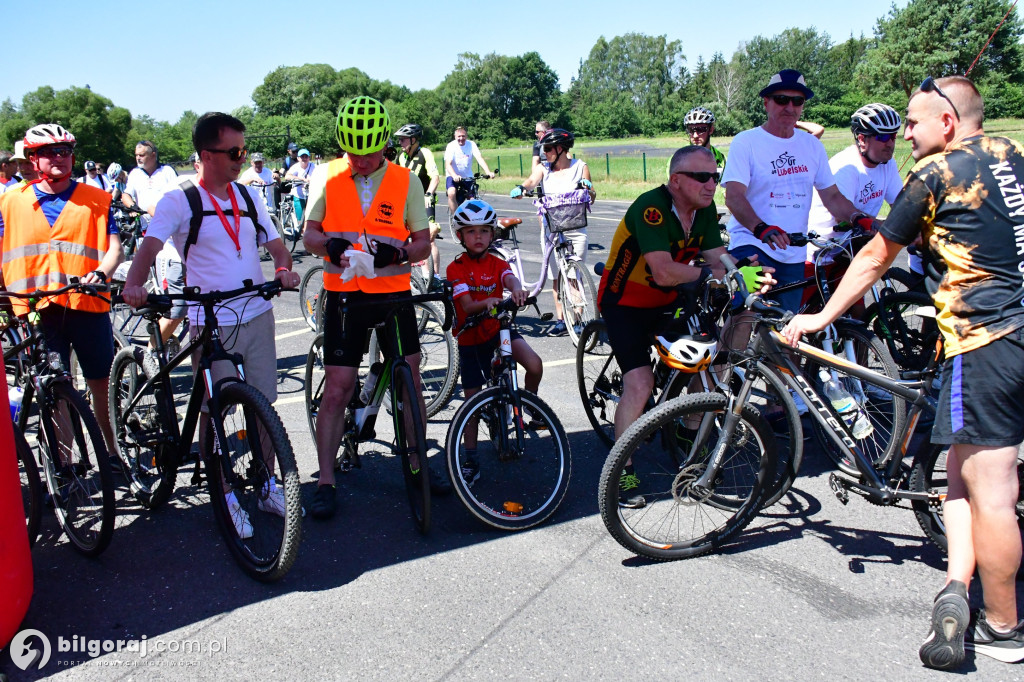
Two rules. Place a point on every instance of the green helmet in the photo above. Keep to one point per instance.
(364, 126)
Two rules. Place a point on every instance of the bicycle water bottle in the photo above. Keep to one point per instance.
(15, 395)
(371, 381)
(846, 407)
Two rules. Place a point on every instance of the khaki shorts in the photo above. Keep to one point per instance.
(254, 341)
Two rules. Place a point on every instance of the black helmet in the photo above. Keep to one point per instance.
(557, 137)
(410, 130)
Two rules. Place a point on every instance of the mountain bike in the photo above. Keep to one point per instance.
(695, 496)
(247, 455)
(523, 462)
(70, 447)
(391, 377)
(129, 226)
(31, 485)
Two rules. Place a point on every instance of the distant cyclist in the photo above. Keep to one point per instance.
(539, 131)
(299, 175)
(292, 157)
(420, 161)
(700, 126)
(259, 174)
(458, 165)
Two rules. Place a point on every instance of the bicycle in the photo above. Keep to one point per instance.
(31, 485)
(73, 457)
(577, 292)
(725, 475)
(239, 450)
(523, 468)
(129, 226)
(391, 377)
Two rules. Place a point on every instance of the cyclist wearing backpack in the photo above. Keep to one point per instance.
(420, 161)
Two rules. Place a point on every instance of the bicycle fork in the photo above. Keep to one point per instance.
(515, 408)
(704, 486)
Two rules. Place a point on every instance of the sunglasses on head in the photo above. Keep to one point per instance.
(929, 85)
(783, 100)
(235, 153)
(701, 176)
(61, 152)
(885, 137)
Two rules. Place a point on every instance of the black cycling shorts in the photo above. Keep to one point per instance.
(475, 361)
(90, 334)
(346, 341)
(982, 397)
(630, 331)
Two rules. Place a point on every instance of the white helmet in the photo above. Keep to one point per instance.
(113, 170)
(875, 119)
(46, 134)
(698, 116)
(687, 353)
(472, 213)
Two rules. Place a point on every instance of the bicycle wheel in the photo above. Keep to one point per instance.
(515, 484)
(31, 486)
(887, 412)
(909, 337)
(77, 470)
(439, 359)
(667, 517)
(314, 381)
(257, 466)
(144, 438)
(17, 365)
(599, 380)
(578, 298)
(417, 480)
(78, 379)
(311, 296)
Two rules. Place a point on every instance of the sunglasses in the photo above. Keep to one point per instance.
(886, 137)
(783, 100)
(61, 152)
(700, 130)
(929, 85)
(549, 147)
(701, 176)
(235, 153)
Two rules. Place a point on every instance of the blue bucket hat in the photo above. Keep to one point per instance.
(787, 79)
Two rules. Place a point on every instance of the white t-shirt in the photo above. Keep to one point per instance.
(563, 181)
(266, 178)
(100, 181)
(461, 157)
(146, 189)
(865, 187)
(780, 174)
(297, 171)
(213, 261)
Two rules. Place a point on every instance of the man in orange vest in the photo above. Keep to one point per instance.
(354, 202)
(55, 228)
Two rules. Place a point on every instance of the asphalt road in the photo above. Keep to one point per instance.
(813, 589)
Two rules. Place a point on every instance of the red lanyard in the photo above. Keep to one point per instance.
(223, 218)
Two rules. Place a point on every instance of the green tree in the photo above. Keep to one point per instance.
(13, 124)
(941, 38)
(98, 125)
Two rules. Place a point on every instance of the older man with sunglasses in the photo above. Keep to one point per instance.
(769, 182)
(963, 198)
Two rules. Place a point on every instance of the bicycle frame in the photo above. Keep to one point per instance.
(561, 247)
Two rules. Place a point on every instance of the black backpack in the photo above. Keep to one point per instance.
(195, 204)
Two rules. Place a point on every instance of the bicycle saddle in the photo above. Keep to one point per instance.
(509, 222)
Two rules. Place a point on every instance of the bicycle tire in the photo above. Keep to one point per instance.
(311, 297)
(909, 337)
(31, 486)
(17, 366)
(148, 453)
(578, 297)
(244, 412)
(417, 482)
(519, 485)
(599, 380)
(81, 486)
(887, 412)
(675, 522)
(78, 379)
(314, 382)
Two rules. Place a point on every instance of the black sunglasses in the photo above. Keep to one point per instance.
(56, 152)
(701, 176)
(549, 147)
(783, 100)
(235, 153)
(885, 137)
(929, 85)
(700, 130)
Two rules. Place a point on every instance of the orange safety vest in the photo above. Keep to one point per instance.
(384, 221)
(40, 257)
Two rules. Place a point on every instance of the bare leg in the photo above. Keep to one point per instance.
(99, 389)
(339, 384)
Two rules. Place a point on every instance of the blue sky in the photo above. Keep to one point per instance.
(161, 58)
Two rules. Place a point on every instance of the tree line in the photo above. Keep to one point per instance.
(633, 84)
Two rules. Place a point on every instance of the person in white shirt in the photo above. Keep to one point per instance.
(865, 172)
(259, 175)
(458, 165)
(95, 178)
(299, 175)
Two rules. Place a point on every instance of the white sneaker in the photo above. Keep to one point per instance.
(801, 406)
(274, 502)
(239, 517)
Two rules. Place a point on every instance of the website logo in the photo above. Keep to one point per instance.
(25, 655)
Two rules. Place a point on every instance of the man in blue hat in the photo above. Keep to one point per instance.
(769, 183)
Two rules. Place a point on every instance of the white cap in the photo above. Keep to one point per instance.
(19, 151)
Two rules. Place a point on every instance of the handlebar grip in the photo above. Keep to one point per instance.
(797, 239)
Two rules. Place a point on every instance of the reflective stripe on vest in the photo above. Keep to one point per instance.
(37, 256)
(384, 222)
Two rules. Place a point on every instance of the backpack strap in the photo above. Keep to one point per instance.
(195, 205)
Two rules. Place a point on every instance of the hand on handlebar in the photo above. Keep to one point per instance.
(135, 296)
(803, 324)
(520, 296)
(865, 222)
(517, 192)
(772, 235)
(289, 279)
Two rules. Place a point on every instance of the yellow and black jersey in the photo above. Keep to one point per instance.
(421, 164)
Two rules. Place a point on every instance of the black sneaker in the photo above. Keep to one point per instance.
(944, 648)
(628, 497)
(982, 639)
(324, 503)
(470, 471)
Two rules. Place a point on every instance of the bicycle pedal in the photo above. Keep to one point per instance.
(838, 488)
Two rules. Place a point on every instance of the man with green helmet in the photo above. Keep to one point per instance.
(362, 202)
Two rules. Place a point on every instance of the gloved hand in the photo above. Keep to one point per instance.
(751, 275)
(516, 192)
(336, 246)
(764, 232)
(587, 183)
(865, 222)
(388, 255)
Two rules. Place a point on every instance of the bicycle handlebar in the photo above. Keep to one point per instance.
(752, 301)
(118, 206)
(506, 306)
(267, 290)
(76, 284)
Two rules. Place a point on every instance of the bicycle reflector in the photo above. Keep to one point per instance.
(513, 507)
